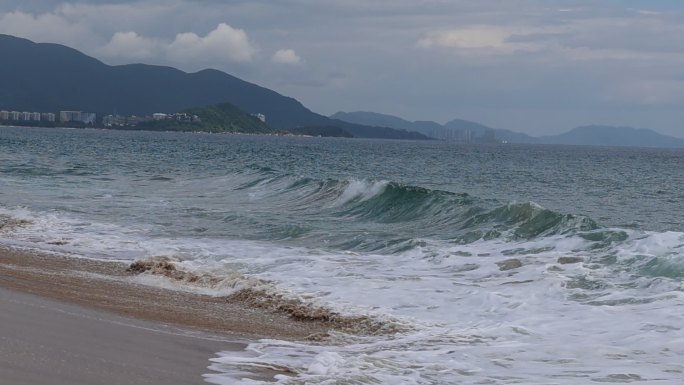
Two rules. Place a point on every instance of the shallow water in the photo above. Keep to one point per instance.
(502, 264)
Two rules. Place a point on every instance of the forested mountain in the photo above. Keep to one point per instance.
(52, 77)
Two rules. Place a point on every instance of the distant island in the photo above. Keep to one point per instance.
(614, 136)
(464, 131)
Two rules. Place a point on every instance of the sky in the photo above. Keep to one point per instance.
(534, 66)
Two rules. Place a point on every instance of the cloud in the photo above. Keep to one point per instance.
(482, 39)
(48, 27)
(224, 43)
(286, 56)
(221, 46)
(646, 92)
(131, 45)
(627, 37)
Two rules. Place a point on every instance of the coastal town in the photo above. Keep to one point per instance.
(88, 119)
(121, 121)
(62, 116)
(159, 120)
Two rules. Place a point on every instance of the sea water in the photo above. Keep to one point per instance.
(506, 264)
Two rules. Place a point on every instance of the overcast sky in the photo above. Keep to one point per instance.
(534, 66)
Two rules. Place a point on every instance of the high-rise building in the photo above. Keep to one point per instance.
(69, 116)
(77, 116)
(88, 117)
(47, 117)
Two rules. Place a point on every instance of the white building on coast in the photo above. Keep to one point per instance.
(47, 116)
(261, 117)
(77, 116)
(27, 116)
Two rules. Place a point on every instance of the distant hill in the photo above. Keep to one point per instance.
(453, 130)
(330, 131)
(223, 117)
(51, 77)
(614, 136)
(586, 135)
(382, 120)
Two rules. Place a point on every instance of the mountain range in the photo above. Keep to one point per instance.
(453, 129)
(593, 135)
(53, 77)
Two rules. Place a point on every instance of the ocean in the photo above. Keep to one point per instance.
(501, 264)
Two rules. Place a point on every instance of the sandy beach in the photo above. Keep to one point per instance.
(49, 342)
(78, 321)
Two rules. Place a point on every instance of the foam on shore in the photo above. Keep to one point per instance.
(108, 286)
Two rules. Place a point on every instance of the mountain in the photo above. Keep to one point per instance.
(382, 120)
(330, 131)
(51, 77)
(375, 119)
(614, 136)
(456, 129)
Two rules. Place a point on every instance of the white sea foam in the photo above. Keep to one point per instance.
(359, 190)
(474, 323)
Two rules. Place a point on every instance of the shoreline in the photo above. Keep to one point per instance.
(102, 285)
(81, 321)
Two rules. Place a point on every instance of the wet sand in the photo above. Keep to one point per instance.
(78, 321)
(48, 342)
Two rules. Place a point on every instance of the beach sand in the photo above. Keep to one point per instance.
(78, 321)
(48, 342)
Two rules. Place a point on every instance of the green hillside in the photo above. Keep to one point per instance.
(223, 117)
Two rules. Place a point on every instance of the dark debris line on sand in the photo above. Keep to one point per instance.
(261, 298)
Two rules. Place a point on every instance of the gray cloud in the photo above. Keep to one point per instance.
(286, 56)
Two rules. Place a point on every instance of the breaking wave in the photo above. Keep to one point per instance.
(414, 212)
